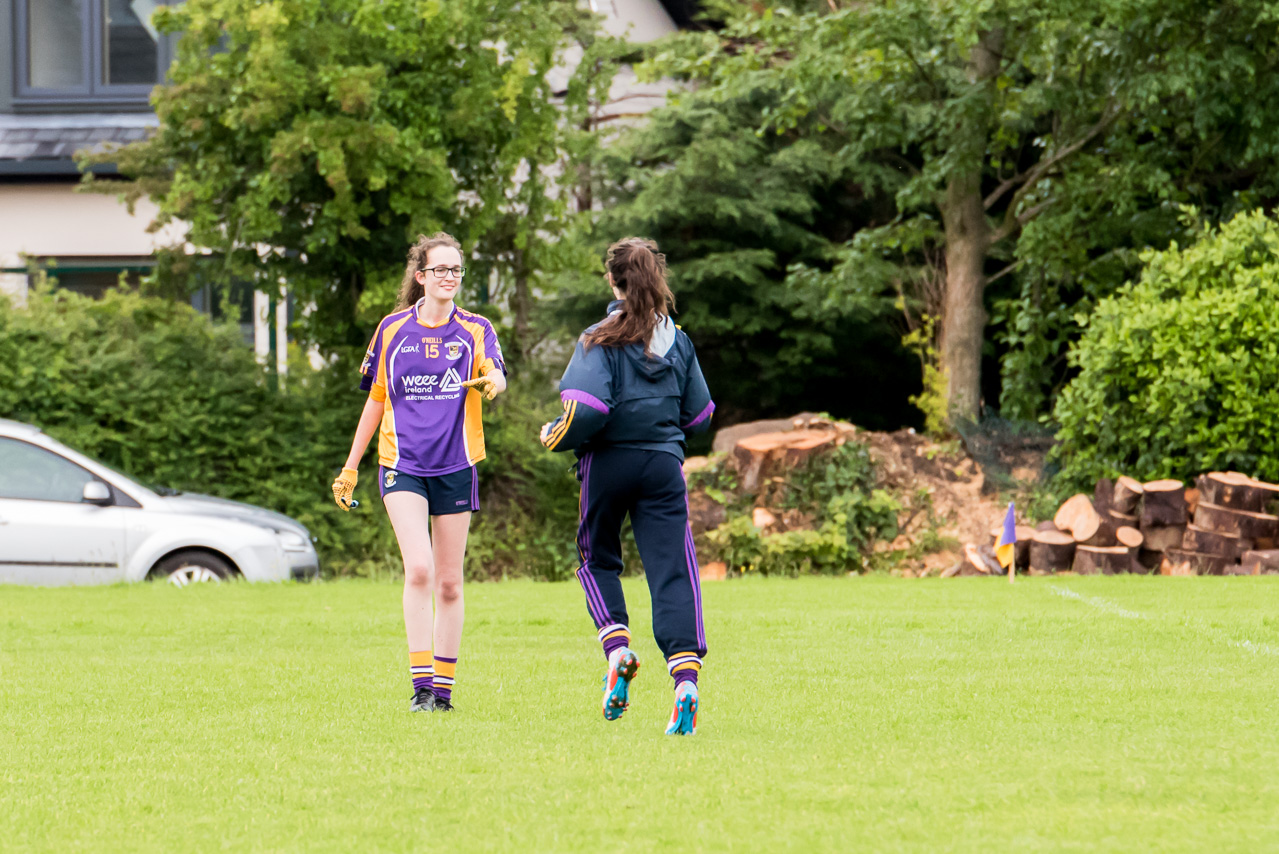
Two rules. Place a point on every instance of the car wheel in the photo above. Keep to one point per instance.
(187, 568)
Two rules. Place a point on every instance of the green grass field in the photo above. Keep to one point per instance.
(837, 714)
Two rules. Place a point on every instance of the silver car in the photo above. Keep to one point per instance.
(65, 519)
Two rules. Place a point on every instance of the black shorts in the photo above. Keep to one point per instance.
(445, 494)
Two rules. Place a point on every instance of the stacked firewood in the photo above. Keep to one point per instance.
(1224, 525)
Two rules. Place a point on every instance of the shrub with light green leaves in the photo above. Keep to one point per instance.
(1179, 371)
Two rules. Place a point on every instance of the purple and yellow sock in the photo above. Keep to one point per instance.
(421, 669)
(614, 637)
(445, 670)
(684, 667)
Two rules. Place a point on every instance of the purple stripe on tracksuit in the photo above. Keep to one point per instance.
(694, 577)
(702, 416)
(585, 397)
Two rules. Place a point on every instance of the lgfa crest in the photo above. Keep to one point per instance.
(454, 350)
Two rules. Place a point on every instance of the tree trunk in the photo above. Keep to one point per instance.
(964, 315)
(967, 236)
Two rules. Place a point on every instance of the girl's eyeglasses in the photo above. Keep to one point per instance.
(441, 272)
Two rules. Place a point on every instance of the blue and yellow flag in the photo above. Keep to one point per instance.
(1007, 539)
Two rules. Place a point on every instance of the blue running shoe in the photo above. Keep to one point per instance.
(684, 715)
(622, 667)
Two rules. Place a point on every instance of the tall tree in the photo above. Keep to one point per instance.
(308, 141)
(995, 127)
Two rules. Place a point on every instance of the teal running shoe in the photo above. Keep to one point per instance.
(622, 667)
(684, 715)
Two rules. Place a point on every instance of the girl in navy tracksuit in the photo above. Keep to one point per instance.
(631, 393)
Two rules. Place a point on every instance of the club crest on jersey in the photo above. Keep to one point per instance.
(451, 381)
(454, 350)
(389, 478)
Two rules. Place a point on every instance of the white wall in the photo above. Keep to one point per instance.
(55, 220)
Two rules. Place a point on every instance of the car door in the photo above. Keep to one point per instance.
(48, 533)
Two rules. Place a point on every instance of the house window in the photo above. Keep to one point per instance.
(95, 52)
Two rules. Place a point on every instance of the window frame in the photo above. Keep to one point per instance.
(92, 92)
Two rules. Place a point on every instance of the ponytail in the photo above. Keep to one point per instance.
(639, 272)
(411, 290)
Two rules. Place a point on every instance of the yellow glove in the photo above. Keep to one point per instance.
(484, 386)
(343, 487)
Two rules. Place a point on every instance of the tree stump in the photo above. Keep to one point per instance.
(1261, 562)
(1234, 491)
(1078, 517)
(1182, 562)
(1129, 538)
(1223, 520)
(757, 456)
(1163, 503)
(1052, 551)
(1126, 495)
(1210, 542)
(1160, 538)
(1090, 560)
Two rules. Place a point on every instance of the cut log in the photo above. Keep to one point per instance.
(1119, 520)
(758, 456)
(1046, 525)
(1129, 538)
(1160, 538)
(1126, 495)
(1102, 496)
(1091, 560)
(1182, 562)
(1052, 551)
(1261, 562)
(1210, 542)
(1243, 523)
(1192, 501)
(980, 559)
(1078, 517)
(1163, 502)
(1233, 491)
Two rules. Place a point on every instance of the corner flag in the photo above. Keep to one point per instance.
(1007, 541)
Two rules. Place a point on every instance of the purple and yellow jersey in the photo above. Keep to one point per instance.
(430, 424)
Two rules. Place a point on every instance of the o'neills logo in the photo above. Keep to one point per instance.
(389, 478)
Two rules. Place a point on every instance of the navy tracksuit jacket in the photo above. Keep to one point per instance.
(626, 413)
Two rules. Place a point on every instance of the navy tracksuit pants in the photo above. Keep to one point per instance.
(649, 487)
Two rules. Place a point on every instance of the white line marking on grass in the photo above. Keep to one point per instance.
(1100, 604)
(1111, 608)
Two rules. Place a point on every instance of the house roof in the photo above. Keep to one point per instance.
(47, 144)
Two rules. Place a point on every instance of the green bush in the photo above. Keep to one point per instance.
(849, 514)
(155, 390)
(1179, 371)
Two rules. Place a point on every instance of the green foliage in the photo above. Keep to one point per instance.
(1179, 372)
(309, 141)
(734, 209)
(1071, 129)
(154, 390)
(849, 514)
(932, 400)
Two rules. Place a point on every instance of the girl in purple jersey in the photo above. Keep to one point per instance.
(426, 370)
